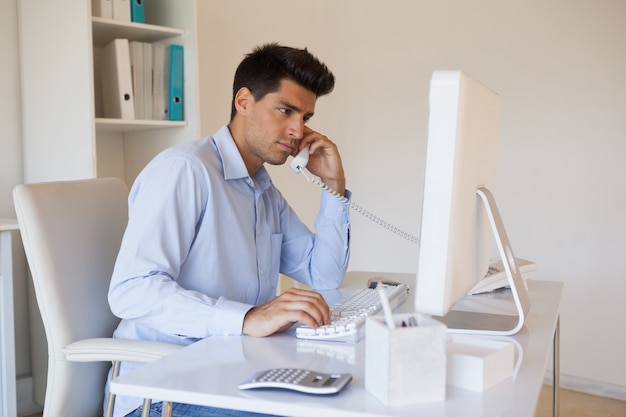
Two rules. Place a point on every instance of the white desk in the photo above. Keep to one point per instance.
(8, 392)
(207, 372)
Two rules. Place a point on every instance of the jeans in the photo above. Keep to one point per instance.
(188, 410)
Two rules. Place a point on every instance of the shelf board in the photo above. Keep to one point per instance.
(105, 30)
(122, 125)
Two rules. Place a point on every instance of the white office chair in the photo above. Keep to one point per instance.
(71, 232)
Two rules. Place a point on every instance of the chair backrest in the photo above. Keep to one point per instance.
(71, 232)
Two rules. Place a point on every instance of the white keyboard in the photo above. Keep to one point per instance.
(348, 317)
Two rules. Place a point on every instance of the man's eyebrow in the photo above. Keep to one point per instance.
(290, 106)
(295, 108)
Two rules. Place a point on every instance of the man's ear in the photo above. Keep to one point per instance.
(243, 99)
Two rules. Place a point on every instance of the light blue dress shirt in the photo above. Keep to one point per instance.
(205, 242)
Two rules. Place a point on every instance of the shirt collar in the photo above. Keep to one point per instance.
(232, 162)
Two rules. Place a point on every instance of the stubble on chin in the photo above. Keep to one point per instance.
(277, 159)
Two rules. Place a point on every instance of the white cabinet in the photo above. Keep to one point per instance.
(64, 135)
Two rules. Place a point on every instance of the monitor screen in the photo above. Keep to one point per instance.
(456, 239)
(460, 220)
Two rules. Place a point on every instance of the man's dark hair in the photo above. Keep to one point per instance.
(262, 71)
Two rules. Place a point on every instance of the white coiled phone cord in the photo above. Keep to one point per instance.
(362, 211)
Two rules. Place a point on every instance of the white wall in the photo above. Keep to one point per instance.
(11, 163)
(560, 69)
(10, 114)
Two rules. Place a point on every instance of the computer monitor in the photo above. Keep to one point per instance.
(460, 220)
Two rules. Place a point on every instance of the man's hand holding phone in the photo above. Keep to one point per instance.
(324, 159)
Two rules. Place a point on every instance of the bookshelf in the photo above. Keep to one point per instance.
(65, 135)
(121, 126)
(105, 30)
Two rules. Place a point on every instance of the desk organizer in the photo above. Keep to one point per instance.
(477, 364)
(406, 364)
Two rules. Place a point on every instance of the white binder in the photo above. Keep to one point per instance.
(121, 10)
(147, 80)
(137, 73)
(117, 86)
(160, 84)
(102, 8)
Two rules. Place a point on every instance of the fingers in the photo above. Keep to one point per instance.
(293, 306)
(316, 141)
(309, 303)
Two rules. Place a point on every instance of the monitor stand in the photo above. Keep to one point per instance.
(470, 322)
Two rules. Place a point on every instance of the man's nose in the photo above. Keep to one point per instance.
(296, 129)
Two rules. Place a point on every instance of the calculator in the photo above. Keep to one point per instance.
(303, 380)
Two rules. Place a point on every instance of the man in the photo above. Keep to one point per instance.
(208, 233)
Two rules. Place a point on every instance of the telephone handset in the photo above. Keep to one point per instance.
(298, 164)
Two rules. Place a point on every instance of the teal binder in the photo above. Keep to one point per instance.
(137, 11)
(176, 82)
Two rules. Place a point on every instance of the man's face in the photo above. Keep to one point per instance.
(274, 125)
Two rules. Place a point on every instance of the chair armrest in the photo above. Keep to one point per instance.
(109, 349)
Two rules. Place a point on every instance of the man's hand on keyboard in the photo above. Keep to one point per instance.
(292, 306)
